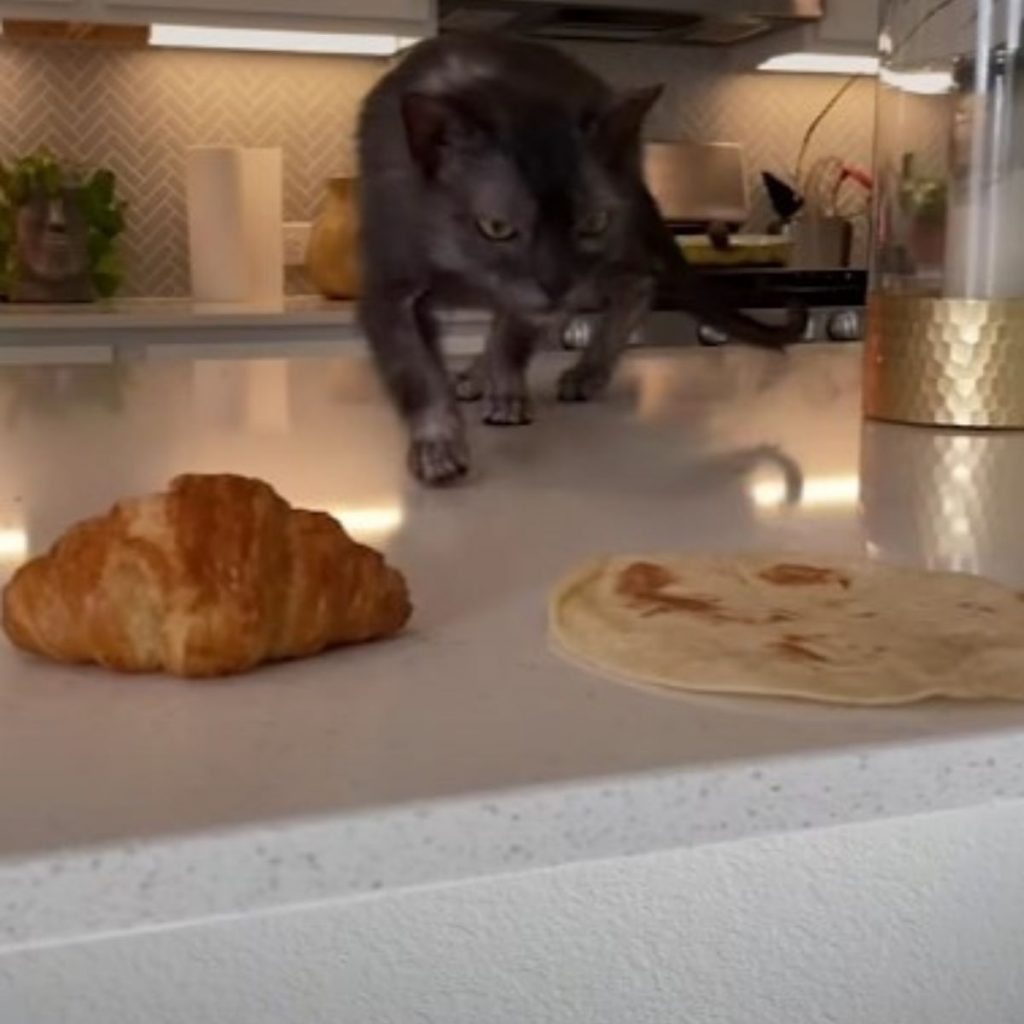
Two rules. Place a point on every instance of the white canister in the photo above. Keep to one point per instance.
(235, 214)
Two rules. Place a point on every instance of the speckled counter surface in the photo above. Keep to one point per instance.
(465, 748)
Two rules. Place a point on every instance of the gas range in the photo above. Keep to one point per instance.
(702, 190)
(834, 299)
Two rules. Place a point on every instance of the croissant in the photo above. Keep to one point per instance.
(212, 578)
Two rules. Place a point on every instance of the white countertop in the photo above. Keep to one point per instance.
(466, 748)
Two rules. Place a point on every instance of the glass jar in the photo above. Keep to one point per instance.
(946, 335)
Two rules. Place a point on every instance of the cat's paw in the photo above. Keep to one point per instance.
(439, 461)
(511, 410)
(579, 384)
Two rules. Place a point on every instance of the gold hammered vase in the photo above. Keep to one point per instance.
(332, 259)
(946, 313)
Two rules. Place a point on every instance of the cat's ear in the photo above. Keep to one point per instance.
(430, 123)
(619, 126)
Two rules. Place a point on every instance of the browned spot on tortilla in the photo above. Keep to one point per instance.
(643, 584)
(977, 606)
(640, 578)
(696, 605)
(795, 646)
(790, 574)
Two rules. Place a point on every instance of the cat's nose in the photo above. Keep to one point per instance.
(553, 274)
(555, 285)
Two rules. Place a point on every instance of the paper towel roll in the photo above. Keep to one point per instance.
(216, 224)
(264, 224)
(235, 224)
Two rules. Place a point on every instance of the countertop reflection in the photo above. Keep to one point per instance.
(947, 499)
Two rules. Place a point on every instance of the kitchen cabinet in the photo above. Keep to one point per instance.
(397, 17)
(48, 10)
(326, 15)
(850, 22)
(44, 7)
(47, 5)
(847, 27)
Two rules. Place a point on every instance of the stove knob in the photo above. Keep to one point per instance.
(576, 334)
(712, 336)
(846, 325)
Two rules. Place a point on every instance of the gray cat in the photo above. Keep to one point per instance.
(501, 173)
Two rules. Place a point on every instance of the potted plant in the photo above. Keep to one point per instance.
(923, 201)
(58, 231)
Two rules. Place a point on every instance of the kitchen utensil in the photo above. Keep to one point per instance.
(785, 200)
(826, 192)
(822, 242)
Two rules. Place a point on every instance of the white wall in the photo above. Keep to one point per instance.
(919, 921)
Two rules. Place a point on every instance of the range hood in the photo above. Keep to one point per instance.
(665, 22)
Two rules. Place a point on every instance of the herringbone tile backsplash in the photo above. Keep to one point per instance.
(138, 111)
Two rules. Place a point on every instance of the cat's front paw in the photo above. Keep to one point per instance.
(512, 410)
(581, 384)
(439, 461)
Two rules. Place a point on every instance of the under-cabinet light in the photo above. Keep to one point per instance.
(923, 83)
(822, 64)
(205, 38)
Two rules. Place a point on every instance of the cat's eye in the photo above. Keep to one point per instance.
(496, 229)
(594, 223)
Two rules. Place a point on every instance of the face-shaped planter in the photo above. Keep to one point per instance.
(51, 255)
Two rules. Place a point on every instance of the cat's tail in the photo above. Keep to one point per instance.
(703, 296)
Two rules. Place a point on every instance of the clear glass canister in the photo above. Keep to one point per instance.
(946, 336)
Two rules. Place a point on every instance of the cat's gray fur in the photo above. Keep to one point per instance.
(470, 137)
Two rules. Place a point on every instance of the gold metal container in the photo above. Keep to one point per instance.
(949, 362)
(946, 321)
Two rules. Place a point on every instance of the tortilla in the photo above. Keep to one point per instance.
(835, 630)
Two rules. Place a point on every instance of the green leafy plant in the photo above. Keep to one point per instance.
(922, 197)
(42, 173)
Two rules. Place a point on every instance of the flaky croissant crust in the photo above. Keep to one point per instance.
(211, 578)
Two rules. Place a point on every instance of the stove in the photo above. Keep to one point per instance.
(834, 299)
(698, 185)
(701, 188)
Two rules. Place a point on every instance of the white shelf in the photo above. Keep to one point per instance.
(167, 327)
